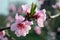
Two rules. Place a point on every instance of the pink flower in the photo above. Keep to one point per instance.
(19, 10)
(57, 5)
(10, 19)
(20, 27)
(40, 17)
(37, 30)
(24, 9)
(28, 22)
(12, 8)
(2, 36)
(41, 1)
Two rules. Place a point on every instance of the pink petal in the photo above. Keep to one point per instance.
(41, 1)
(41, 13)
(28, 22)
(27, 27)
(26, 8)
(16, 17)
(21, 32)
(37, 30)
(17, 32)
(12, 7)
(14, 27)
(10, 19)
(40, 22)
(19, 18)
(3, 32)
(5, 38)
(54, 6)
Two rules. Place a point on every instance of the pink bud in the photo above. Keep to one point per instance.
(10, 19)
(57, 5)
(2, 34)
(12, 8)
(41, 1)
(37, 30)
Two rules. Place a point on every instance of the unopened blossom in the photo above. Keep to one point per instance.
(2, 35)
(21, 27)
(10, 18)
(57, 5)
(19, 10)
(24, 9)
(40, 17)
(41, 1)
(37, 30)
(12, 8)
(8, 24)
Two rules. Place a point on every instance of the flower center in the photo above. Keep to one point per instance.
(36, 16)
(21, 26)
(28, 14)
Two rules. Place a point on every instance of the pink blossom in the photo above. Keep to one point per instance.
(19, 18)
(24, 9)
(37, 30)
(2, 34)
(28, 22)
(12, 8)
(40, 22)
(57, 5)
(19, 10)
(41, 1)
(20, 27)
(40, 17)
(10, 19)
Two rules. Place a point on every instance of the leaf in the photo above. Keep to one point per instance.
(33, 7)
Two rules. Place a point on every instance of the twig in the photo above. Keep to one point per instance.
(51, 17)
(1, 29)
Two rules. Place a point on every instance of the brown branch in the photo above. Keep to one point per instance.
(1, 29)
(50, 17)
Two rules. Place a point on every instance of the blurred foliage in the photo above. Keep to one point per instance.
(54, 24)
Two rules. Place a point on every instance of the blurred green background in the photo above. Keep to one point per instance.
(46, 33)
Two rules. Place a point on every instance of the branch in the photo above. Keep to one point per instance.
(51, 17)
(1, 29)
(54, 16)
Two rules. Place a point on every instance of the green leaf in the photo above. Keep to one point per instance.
(33, 7)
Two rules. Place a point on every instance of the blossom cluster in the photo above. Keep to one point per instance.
(56, 6)
(22, 24)
(2, 35)
(25, 17)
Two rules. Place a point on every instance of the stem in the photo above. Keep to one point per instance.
(1, 29)
(51, 17)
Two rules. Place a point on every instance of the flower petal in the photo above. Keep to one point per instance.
(13, 27)
(40, 22)
(37, 30)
